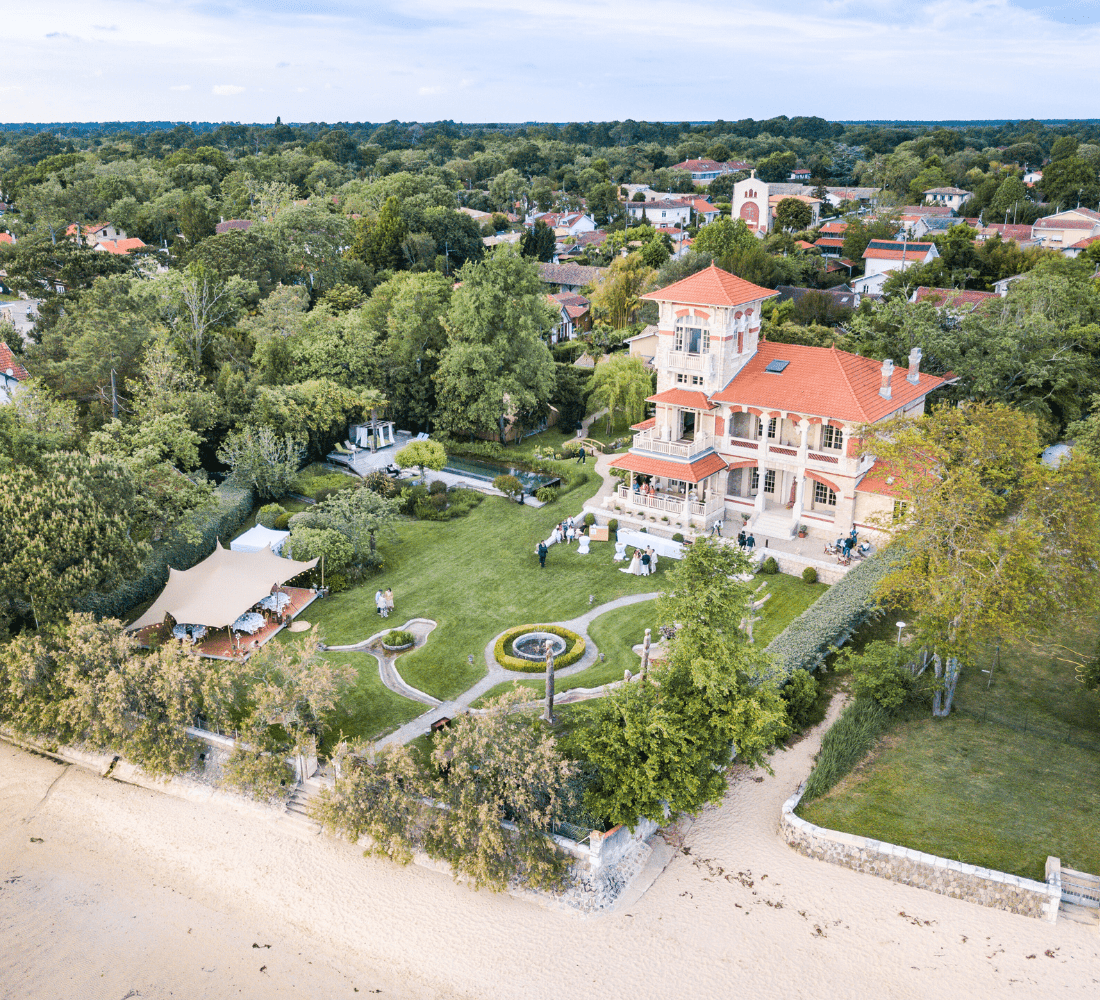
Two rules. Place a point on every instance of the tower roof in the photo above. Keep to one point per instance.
(711, 287)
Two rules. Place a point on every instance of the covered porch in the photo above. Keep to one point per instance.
(684, 495)
(778, 501)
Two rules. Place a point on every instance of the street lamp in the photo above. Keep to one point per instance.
(900, 625)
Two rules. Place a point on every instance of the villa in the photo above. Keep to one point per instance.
(750, 430)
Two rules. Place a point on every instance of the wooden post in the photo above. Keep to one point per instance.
(645, 653)
(548, 714)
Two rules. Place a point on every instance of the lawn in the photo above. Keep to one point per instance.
(1011, 777)
(617, 631)
(369, 709)
(477, 576)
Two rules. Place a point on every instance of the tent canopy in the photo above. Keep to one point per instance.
(258, 538)
(221, 588)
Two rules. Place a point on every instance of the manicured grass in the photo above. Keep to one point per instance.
(790, 597)
(987, 792)
(616, 631)
(477, 576)
(369, 709)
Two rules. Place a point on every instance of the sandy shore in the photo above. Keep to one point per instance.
(111, 891)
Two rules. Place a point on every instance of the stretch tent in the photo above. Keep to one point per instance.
(221, 588)
(258, 538)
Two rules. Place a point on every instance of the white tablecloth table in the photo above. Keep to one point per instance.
(249, 622)
(275, 602)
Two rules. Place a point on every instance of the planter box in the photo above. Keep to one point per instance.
(397, 649)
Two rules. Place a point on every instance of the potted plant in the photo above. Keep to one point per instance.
(802, 531)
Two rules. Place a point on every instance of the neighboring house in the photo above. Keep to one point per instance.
(1032, 177)
(952, 303)
(1076, 249)
(575, 315)
(227, 224)
(120, 246)
(704, 171)
(842, 295)
(565, 223)
(492, 241)
(665, 212)
(830, 240)
(1009, 233)
(952, 197)
(570, 277)
(864, 196)
(11, 373)
(479, 217)
(896, 255)
(705, 212)
(800, 176)
(97, 233)
(757, 428)
(1063, 229)
(644, 345)
(750, 202)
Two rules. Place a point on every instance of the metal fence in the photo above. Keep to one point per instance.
(1025, 725)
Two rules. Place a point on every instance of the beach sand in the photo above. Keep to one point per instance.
(133, 893)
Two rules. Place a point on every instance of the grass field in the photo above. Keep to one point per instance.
(1011, 777)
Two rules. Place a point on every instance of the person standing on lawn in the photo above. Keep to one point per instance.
(387, 596)
(542, 550)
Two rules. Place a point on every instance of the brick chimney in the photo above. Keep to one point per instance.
(914, 366)
(887, 374)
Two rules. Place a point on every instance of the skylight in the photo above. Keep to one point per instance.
(776, 367)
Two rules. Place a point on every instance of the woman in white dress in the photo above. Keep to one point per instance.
(636, 563)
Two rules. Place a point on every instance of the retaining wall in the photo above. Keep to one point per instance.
(925, 871)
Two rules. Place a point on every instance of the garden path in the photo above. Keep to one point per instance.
(495, 674)
(387, 668)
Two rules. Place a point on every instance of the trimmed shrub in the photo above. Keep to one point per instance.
(233, 506)
(546, 494)
(267, 514)
(809, 575)
(678, 537)
(589, 520)
(800, 694)
(437, 486)
(398, 637)
(382, 484)
(282, 522)
(852, 737)
(769, 566)
(613, 524)
(337, 583)
(831, 619)
(502, 650)
(508, 485)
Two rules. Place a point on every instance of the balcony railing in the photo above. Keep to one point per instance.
(667, 504)
(813, 456)
(683, 361)
(744, 443)
(646, 441)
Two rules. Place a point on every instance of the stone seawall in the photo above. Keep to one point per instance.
(925, 871)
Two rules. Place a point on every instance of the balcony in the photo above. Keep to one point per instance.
(647, 441)
(673, 506)
(683, 361)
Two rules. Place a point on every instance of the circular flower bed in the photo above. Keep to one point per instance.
(395, 639)
(504, 653)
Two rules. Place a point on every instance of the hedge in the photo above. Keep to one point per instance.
(233, 507)
(830, 620)
(850, 739)
(571, 655)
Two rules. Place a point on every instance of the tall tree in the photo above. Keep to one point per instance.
(496, 367)
(622, 385)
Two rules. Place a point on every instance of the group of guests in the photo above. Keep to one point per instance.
(846, 545)
(383, 601)
(745, 542)
(645, 489)
(567, 531)
(642, 563)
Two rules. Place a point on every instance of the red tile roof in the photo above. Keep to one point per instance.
(1064, 223)
(644, 425)
(120, 246)
(829, 241)
(823, 381)
(6, 238)
(1019, 234)
(8, 363)
(952, 298)
(711, 287)
(687, 472)
(878, 480)
(691, 399)
(834, 227)
(245, 224)
(1079, 245)
(804, 245)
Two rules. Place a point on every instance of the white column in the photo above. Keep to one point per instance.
(803, 448)
(762, 423)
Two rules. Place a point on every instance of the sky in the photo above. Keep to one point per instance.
(534, 60)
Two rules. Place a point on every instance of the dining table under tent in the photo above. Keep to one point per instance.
(220, 591)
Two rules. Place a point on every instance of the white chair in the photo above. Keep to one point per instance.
(582, 546)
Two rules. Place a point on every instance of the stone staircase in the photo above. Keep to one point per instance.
(296, 816)
(771, 524)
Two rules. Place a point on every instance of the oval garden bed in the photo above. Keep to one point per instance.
(505, 654)
(395, 640)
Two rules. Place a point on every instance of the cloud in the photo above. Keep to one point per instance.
(226, 89)
(428, 91)
(281, 65)
(105, 27)
(62, 34)
(181, 86)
